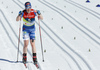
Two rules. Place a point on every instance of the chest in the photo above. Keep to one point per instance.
(29, 15)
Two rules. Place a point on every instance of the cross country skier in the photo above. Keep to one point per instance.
(28, 16)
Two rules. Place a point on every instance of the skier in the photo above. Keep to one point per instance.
(28, 15)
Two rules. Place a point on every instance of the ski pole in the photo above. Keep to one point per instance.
(19, 40)
(41, 40)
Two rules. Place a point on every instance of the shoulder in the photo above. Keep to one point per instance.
(24, 10)
(32, 10)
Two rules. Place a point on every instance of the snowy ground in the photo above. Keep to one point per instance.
(69, 29)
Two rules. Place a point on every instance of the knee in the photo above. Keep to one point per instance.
(25, 45)
(33, 45)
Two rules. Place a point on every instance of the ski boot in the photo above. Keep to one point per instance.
(25, 59)
(35, 60)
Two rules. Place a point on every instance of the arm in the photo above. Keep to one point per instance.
(19, 16)
(39, 15)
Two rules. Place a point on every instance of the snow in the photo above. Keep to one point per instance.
(69, 29)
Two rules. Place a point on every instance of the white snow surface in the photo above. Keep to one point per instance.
(70, 33)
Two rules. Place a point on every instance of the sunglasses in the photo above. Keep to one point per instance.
(28, 7)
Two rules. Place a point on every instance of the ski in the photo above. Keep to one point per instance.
(25, 65)
(36, 66)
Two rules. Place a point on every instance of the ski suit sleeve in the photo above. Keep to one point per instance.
(22, 14)
(35, 13)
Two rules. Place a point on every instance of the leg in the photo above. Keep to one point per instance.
(25, 50)
(32, 41)
(25, 46)
(33, 46)
(33, 50)
(26, 41)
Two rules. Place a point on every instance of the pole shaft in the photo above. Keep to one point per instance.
(19, 40)
(41, 40)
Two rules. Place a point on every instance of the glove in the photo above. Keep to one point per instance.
(38, 12)
(20, 13)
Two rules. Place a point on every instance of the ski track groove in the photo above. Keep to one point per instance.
(60, 45)
(7, 31)
(85, 8)
(98, 37)
(67, 47)
(74, 25)
(77, 26)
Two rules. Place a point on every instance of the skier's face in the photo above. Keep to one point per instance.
(28, 10)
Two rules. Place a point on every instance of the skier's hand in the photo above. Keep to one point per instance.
(38, 12)
(20, 13)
